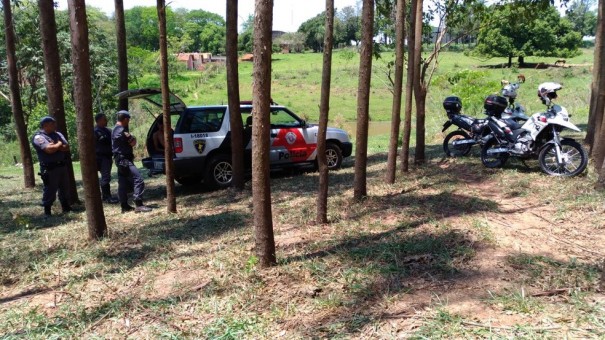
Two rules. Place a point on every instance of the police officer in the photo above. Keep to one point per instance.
(128, 174)
(104, 152)
(52, 149)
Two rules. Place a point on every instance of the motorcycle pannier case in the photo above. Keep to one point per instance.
(494, 105)
(462, 121)
(452, 105)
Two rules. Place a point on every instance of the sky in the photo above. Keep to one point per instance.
(287, 14)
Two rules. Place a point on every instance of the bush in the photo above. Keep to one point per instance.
(471, 86)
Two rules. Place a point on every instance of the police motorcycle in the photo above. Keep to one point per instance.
(539, 138)
(472, 131)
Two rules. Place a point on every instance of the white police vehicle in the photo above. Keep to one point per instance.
(202, 142)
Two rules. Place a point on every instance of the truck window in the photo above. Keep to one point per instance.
(283, 118)
(204, 120)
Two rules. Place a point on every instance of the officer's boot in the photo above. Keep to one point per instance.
(126, 207)
(47, 211)
(106, 192)
(66, 207)
(140, 207)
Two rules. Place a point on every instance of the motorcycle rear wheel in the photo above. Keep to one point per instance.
(495, 160)
(574, 156)
(452, 150)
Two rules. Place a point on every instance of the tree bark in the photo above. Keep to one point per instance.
(409, 92)
(397, 91)
(324, 110)
(363, 100)
(168, 152)
(510, 61)
(29, 180)
(95, 217)
(599, 143)
(54, 83)
(597, 103)
(235, 116)
(122, 52)
(419, 89)
(261, 128)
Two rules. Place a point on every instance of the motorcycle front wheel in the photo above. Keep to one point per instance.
(452, 150)
(496, 160)
(573, 155)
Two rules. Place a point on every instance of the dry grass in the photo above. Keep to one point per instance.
(452, 249)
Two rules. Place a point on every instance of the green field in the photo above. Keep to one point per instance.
(451, 250)
(297, 78)
(297, 83)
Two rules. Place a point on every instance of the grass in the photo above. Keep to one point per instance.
(450, 250)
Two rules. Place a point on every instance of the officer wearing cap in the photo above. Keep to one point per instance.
(52, 149)
(104, 153)
(128, 175)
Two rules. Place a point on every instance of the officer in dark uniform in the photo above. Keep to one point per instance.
(52, 149)
(104, 153)
(128, 174)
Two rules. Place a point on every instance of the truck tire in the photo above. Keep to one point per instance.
(219, 172)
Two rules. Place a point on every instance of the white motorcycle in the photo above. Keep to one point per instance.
(538, 138)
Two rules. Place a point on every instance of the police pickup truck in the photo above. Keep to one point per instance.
(202, 140)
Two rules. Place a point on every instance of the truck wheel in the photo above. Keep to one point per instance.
(334, 156)
(219, 172)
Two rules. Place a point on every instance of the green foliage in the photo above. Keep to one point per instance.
(347, 25)
(245, 38)
(31, 66)
(314, 31)
(582, 17)
(142, 26)
(188, 31)
(470, 85)
(518, 31)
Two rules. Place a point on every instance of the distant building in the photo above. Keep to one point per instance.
(277, 34)
(194, 61)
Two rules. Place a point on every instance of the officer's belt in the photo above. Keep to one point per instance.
(52, 165)
(119, 157)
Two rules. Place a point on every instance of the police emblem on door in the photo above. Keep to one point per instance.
(200, 145)
(291, 137)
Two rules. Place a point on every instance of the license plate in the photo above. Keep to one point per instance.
(158, 165)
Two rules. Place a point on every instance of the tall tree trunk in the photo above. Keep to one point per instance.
(122, 52)
(17, 107)
(261, 128)
(419, 88)
(95, 217)
(397, 91)
(599, 142)
(363, 100)
(409, 92)
(597, 103)
(324, 110)
(235, 116)
(510, 61)
(168, 150)
(54, 84)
